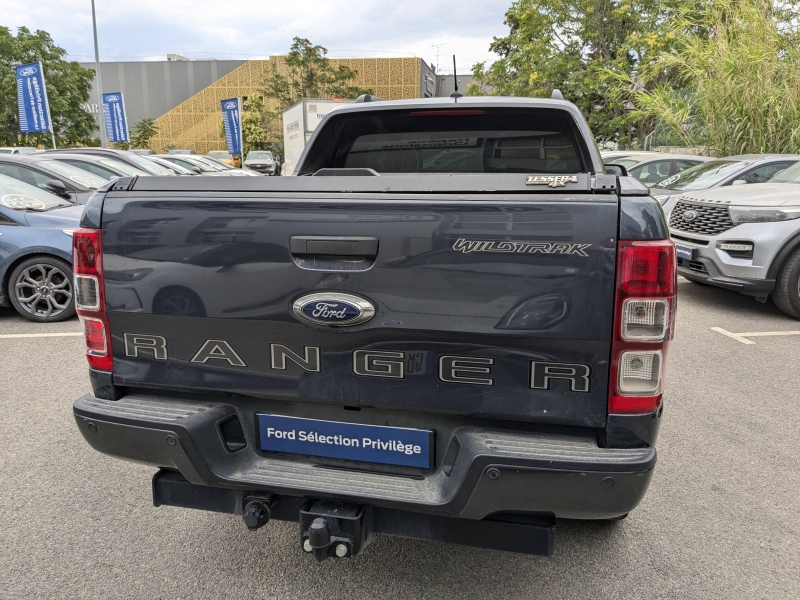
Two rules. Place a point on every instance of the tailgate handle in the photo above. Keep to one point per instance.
(334, 245)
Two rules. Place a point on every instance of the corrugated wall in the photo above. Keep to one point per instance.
(194, 124)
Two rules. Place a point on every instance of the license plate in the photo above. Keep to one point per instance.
(684, 252)
(351, 441)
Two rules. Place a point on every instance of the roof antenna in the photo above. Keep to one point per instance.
(456, 94)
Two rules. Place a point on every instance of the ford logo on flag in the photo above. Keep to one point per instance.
(230, 105)
(28, 71)
(333, 309)
(112, 98)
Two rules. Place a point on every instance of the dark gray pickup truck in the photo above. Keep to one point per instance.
(450, 324)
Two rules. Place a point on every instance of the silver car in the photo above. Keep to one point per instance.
(743, 238)
(721, 172)
(652, 167)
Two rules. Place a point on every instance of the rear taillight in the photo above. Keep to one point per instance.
(89, 298)
(644, 317)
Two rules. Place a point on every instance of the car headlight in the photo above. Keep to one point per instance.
(69, 232)
(753, 214)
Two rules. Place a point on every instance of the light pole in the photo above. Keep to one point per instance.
(102, 115)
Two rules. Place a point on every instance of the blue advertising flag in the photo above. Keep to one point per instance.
(116, 123)
(231, 116)
(34, 111)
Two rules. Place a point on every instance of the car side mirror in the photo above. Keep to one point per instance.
(197, 170)
(739, 182)
(618, 170)
(54, 186)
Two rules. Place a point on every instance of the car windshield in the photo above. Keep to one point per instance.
(173, 166)
(148, 165)
(214, 162)
(259, 156)
(702, 176)
(206, 165)
(121, 167)
(188, 163)
(79, 176)
(789, 175)
(18, 195)
(625, 162)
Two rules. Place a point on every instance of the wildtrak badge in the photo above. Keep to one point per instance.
(552, 181)
(467, 246)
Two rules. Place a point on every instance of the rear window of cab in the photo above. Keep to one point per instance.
(451, 140)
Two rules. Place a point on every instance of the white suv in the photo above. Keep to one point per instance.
(744, 238)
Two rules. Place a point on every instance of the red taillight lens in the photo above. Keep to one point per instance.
(90, 297)
(647, 268)
(95, 332)
(86, 251)
(643, 325)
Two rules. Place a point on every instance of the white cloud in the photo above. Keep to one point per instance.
(253, 28)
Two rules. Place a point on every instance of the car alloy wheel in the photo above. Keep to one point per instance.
(44, 291)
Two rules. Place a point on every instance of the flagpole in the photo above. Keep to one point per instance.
(241, 133)
(101, 112)
(47, 102)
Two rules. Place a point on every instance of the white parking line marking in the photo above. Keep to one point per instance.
(742, 337)
(10, 336)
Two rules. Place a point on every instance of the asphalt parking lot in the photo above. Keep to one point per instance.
(720, 519)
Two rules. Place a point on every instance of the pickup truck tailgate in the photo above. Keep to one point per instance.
(489, 305)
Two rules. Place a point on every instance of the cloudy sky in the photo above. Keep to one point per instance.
(241, 29)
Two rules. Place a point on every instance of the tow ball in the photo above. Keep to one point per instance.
(257, 511)
(329, 529)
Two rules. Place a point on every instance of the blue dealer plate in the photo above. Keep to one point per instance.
(684, 252)
(333, 439)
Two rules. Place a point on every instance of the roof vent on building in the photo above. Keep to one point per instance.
(368, 98)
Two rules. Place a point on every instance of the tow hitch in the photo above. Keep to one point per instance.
(333, 529)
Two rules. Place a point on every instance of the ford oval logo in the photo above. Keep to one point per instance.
(230, 105)
(28, 71)
(689, 215)
(112, 98)
(333, 309)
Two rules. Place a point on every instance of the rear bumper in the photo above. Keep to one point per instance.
(492, 471)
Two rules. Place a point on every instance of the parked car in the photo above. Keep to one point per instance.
(721, 172)
(261, 161)
(36, 251)
(50, 175)
(224, 157)
(134, 160)
(180, 151)
(204, 164)
(652, 167)
(18, 150)
(103, 167)
(142, 151)
(745, 239)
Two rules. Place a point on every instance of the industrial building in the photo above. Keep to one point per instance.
(183, 96)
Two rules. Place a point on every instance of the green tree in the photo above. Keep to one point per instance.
(735, 84)
(570, 45)
(144, 130)
(307, 73)
(310, 75)
(68, 86)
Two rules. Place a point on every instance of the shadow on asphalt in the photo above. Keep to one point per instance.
(715, 297)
